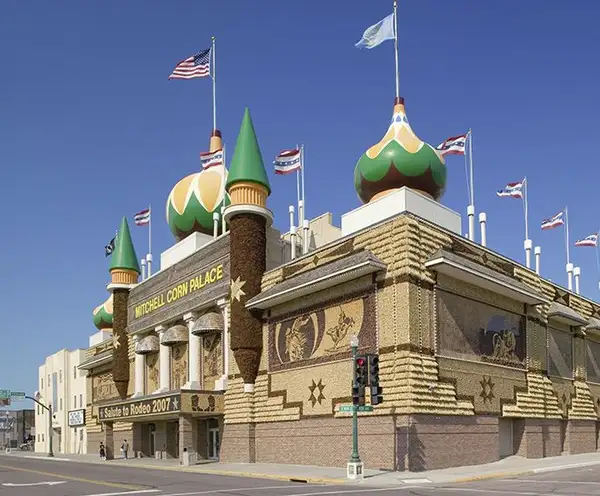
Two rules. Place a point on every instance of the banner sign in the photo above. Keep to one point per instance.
(141, 408)
(76, 418)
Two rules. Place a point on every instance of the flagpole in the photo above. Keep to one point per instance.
(223, 227)
(300, 201)
(569, 266)
(528, 244)
(598, 256)
(149, 257)
(396, 48)
(471, 207)
(214, 79)
(304, 221)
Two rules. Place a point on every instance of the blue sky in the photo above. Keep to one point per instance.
(92, 129)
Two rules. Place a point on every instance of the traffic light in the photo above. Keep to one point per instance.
(376, 390)
(359, 382)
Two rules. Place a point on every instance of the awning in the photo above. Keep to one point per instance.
(96, 361)
(147, 345)
(175, 335)
(564, 314)
(208, 322)
(473, 273)
(320, 278)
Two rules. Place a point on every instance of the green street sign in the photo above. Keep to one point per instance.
(350, 408)
(17, 396)
(4, 394)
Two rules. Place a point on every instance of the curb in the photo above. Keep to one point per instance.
(197, 470)
(496, 475)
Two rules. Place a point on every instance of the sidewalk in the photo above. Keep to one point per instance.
(509, 467)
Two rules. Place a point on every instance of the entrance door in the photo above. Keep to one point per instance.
(214, 443)
(506, 437)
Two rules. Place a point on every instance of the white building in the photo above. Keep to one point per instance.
(62, 387)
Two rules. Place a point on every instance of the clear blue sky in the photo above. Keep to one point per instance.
(91, 129)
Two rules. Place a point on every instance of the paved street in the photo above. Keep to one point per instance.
(28, 477)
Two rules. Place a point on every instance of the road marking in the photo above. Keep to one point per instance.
(544, 481)
(12, 484)
(77, 479)
(217, 491)
(143, 491)
(485, 491)
(48, 458)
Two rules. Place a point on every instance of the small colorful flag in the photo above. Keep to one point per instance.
(453, 146)
(211, 159)
(552, 222)
(196, 66)
(109, 248)
(142, 218)
(376, 34)
(591, 240)
(514, 190)
(287, 161)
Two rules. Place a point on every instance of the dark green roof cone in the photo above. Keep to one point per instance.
(123, 256)
(247, 163)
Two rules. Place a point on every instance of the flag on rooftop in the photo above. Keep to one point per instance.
(376, 34)
(453, 146)
(514, 190)
(109, 248)
(211, 159)
(554, 221)
(591, 240)
(287, 161)
(196, 66)
(142, 218)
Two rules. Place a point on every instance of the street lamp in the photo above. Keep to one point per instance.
(354, 468)
(37, 399)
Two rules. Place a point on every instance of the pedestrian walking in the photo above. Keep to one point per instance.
(125, 448)
(102, 452)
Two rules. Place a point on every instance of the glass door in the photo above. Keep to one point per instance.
(214, 442)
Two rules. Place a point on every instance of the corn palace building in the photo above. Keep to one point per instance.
(238, 351)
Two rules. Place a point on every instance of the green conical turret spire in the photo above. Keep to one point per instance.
(247, 163)
(123, 256)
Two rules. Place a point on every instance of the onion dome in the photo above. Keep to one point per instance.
(194, 199)
(400, 159)
(123, 257)
(103, 315)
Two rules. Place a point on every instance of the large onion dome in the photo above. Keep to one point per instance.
(103, 314)
(194, 199)
(400, 159)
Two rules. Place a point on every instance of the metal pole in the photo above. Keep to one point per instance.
(355, 457)
(50, 451)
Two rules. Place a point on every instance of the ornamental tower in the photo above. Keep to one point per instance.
(248, 218)
(124, 272)
(400, 159)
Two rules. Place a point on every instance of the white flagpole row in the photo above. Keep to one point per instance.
(528, 243)
(569, 266)
(305, 221)
(471, 207)
(149, 256)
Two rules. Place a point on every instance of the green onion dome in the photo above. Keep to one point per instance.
(400, 159)
(103, 314)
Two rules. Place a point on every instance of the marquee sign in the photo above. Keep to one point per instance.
(77, 418)
(181, 290)
(158, 405)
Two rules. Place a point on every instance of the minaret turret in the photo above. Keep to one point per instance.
(124, 272)
(248, 218)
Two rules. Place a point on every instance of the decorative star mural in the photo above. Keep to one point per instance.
(487, 389)
(236, 289)
(316, 397)
(116, 341)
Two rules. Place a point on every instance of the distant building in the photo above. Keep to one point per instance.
(15, 427)
(62, 387)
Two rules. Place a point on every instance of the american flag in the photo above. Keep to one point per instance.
(211, 159)
(554, 221)
(454, 145)
(514, 190)
(142, 218)
(591, 240)
(287, 161)
(195, 66)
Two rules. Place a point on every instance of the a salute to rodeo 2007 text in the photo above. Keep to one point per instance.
(146, 407)
(181, 290)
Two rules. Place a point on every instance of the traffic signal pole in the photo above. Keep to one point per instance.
(354, 468)
(50, 452)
